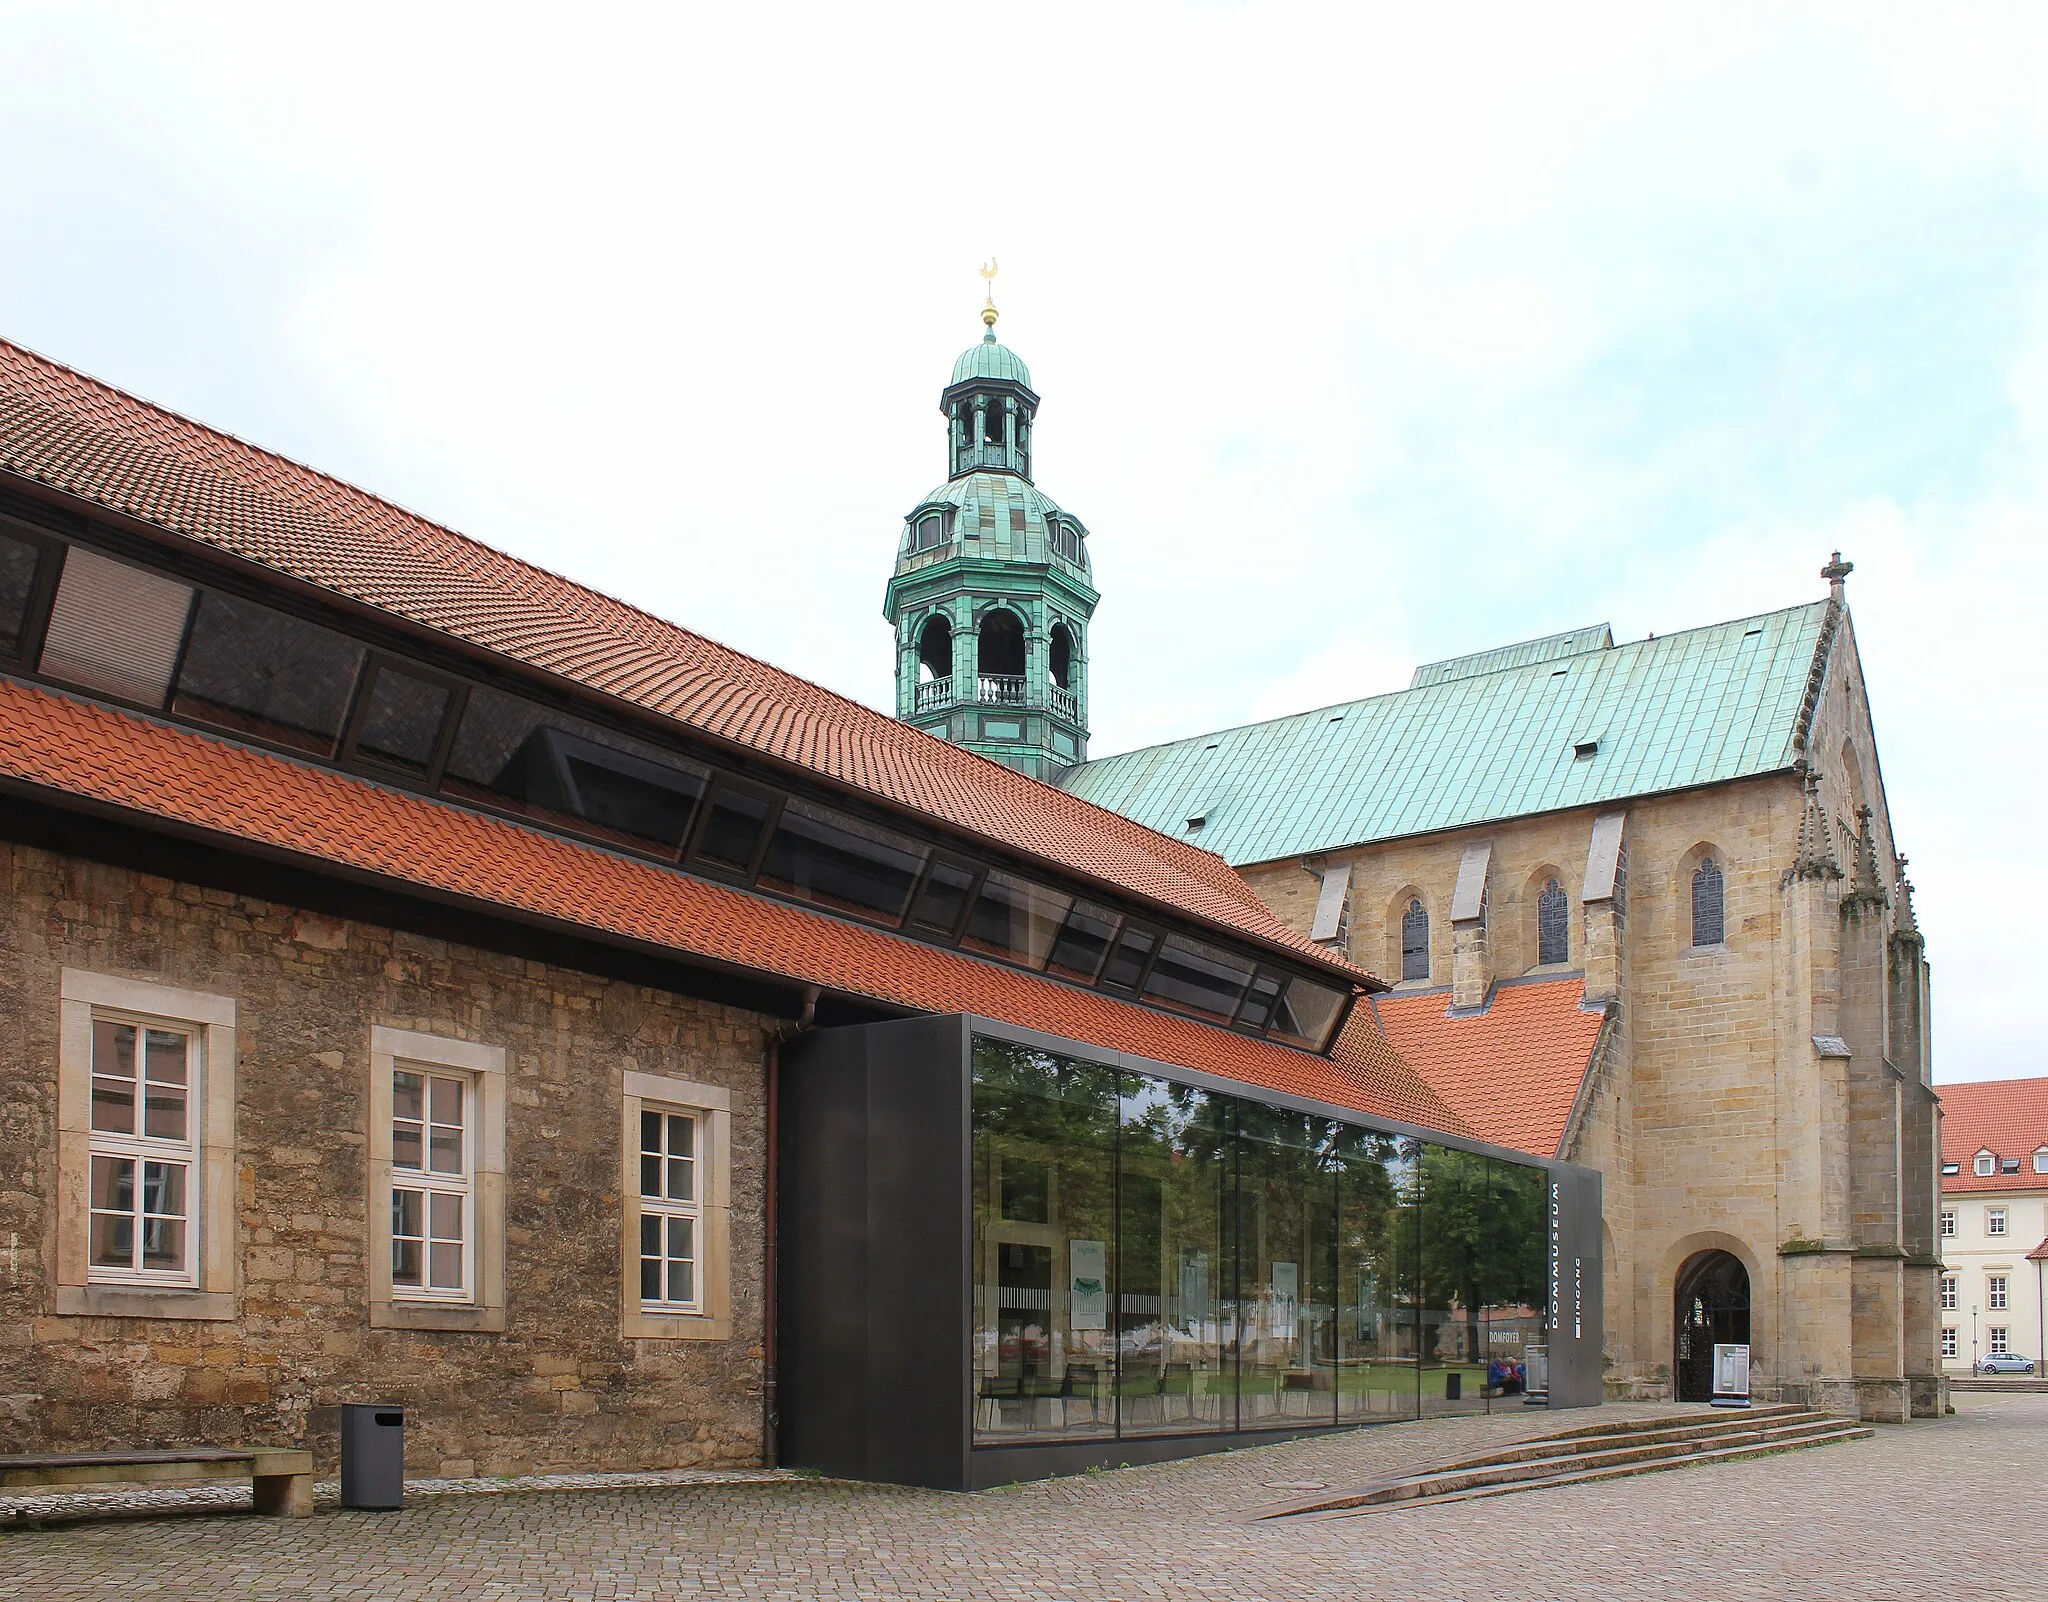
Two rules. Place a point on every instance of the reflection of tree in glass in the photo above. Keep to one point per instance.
(1482, 1242)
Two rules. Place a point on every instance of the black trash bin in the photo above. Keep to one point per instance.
(372, 1455)
(1454, 1386)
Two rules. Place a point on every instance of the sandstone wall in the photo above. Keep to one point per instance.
(559, 1388)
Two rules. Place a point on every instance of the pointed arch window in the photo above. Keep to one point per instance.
(1415, 942)
(1709, 923)
(1553, 925)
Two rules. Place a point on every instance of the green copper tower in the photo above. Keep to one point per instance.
(991, 597)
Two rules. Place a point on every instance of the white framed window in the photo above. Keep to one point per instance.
(145, 1153)
(433, 1199)
(1994, 1340)
(1994, 1220)
(670, 1211)
(1986, 1164)
(1948, 1341)
(146, 1143)
(1994, 1292)
(2041, 1161)
(437, 1182)
(1948, 1293)
(675, 1243)
(1948, 1220)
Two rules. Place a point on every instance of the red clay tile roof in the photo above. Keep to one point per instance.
(1511, 1072)
(2008, 1117)
(328, 821)
(89, 440)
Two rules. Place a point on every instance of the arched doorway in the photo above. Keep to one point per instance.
(1711, 1307)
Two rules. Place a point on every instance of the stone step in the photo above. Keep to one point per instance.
(1848, 1430)
(1547, 1460)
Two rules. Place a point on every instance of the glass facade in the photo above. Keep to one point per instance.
(1155, 1259)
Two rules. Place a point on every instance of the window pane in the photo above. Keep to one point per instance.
(408, 1215)
(445, 1099)
(446, 1262)
(522, 757)
(402, 723)
(681, 1282)
(1308, 1013)
(1174, 1260)
(1287, 1269)
(1376, 1375)
(680, 1236)
(262, 673)
(1126, 965)
(943, 897)
(1084, 941)
(18, 560)
(113, 1240)
(1258, 1002)
(650, 1174)
(1016, 919)
(113, 1184)
(733, 827)
(406, 1139)
(1707, 923)
(1045, 1341)
(445, 1216)
(444, 1149)
(650, 1279)
(405, 1262)
(836, 861)
(163, 1189)
(163, 1244)
(681, 1179)
(113, 1077)
(165, 1097)
(1553, 925)
(650, 1131)
(650, 1234)
(1202, 978)
(682, 1136)
(408, 1092)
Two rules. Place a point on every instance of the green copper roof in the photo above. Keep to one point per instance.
(990, 360)
(1469, 747)
(997, 516)
(1547, 649)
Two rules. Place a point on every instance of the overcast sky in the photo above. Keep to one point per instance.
(1366, 335)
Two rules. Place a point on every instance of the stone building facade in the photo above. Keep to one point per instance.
(560, 1385)
(1757, 1094)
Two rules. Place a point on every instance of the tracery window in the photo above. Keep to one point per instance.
(1415, 942)
(1709, 927)
(1553, 925)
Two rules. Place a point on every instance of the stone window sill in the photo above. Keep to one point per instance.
(143, 1301)
(675, 1327)
(436, 1315)
(1718, 949)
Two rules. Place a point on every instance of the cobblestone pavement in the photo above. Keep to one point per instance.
(1873, 1519)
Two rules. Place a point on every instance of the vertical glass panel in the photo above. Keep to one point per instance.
(1456, 1236)
(942, 898)
(113, 1077)
(402, 723)
(1308, 1013)
(1287, 1269)
(1176, 1349)
(163, 1217)
(1127, 959)
(1201, 978)
(836, 861)
(408, 1120)
(557, 769)
(732, 828)
(445, 1243)
(267, 674)
(1374, 1354)
(18, 559)
(1083, 942)
(112, 1235)
(1044, 1348)
(1514, 1273)
(446, 1101)
(1016, 920)
(408, 1237)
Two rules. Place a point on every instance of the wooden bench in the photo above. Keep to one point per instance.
(282, 1477)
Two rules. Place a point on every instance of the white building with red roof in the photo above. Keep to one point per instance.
(1994, 1222)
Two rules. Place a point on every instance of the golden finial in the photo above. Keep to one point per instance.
(988, 311)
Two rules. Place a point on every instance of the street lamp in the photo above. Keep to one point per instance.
(1973, 1340)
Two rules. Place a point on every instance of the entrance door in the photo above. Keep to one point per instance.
(1712, 1307)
